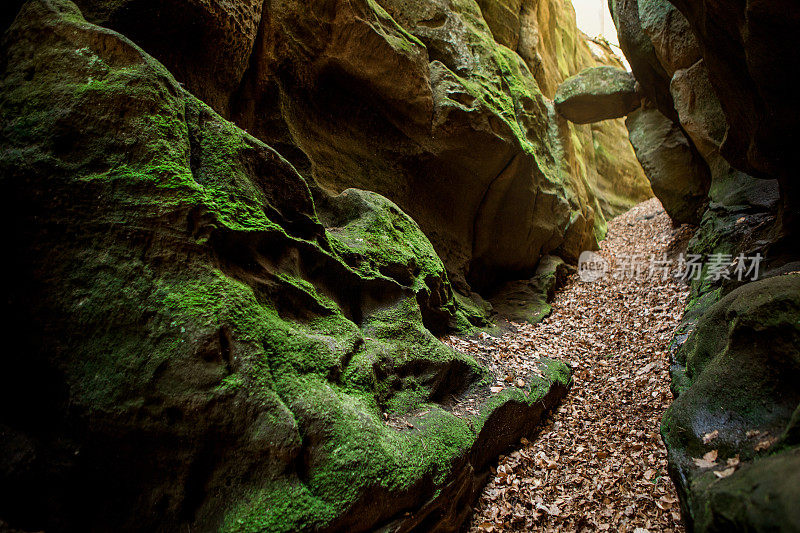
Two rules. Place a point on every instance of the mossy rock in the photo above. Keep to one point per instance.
(434, 105)
(739, 369)
(596, 94)
(202, 352)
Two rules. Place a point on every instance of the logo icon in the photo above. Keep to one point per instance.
(592, 267)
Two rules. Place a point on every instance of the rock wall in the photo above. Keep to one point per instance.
(426, 104)
(206, 346)
(545, 35)
(715, 118)
(231, 257)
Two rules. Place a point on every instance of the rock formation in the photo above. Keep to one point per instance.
(596, 94)
(736, 377)
(712, 137)
(427, 105)
(234, 331)
(679, 176)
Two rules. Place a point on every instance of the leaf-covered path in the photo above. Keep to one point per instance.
(599, 463)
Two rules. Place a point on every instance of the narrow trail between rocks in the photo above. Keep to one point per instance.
(598, 463)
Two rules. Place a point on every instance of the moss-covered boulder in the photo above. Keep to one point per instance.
(207, 345)
(736, 377)
(597, 93)
(554, 49)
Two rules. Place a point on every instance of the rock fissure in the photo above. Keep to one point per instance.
(338, 320)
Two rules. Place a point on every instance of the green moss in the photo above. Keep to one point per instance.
(283, 506)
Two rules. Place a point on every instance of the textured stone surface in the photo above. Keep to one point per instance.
(528, 300)
(208, 346)
(420, 102)
(699, 112)
(733, 381)
(735, 374)
(747, 47)
(554, 49)
(597, 93)
(679, 176)
(641, 54)
(673, 41)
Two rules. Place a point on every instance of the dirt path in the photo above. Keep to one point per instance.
(599, 463)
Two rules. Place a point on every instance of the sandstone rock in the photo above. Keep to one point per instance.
(638, 48)
(596, 94)
(733, 382)
(698, 109)
(679, 176)
(503, 18)
(206, 45)
(471, 176)
(741, 208)
(416, 101)
(201, 351)
(734, 374)
(672, 39)
(554, 49)
(746, 48)
(528, 300)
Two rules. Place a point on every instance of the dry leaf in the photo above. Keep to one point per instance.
(725, 473)
(708, 437)
(765, 444)
(711, 456)
(701, 463)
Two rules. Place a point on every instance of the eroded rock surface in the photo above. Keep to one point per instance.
(425, 103)
(205, 348)
(736, 377)
(596, 94)
(678, 175)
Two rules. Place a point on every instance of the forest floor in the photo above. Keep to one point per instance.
(598, 463)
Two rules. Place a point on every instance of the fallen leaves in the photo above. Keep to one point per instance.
(765, 444)
(598, 464)
(709, 460)
(708, 437)
(725, 473)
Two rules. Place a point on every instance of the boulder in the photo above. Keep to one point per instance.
(555, 49)
(679, 176)
(204, 348)
(736, 377)
(699, 112)
(597, 93)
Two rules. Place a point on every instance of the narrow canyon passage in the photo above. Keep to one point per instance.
(599, 462)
